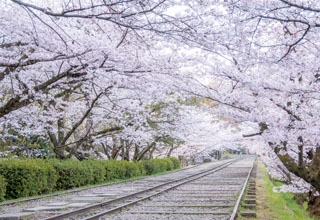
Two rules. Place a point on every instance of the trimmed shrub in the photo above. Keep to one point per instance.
(115, 169)
(97, 169)
(72, 173)
(146, 164)
(151, 166)
(142, 171)
(27, 177)
(175, 161)
(132, 169)
(162, 164)
(51, 175)
(169, 164)
(3, 187)
(122, 169)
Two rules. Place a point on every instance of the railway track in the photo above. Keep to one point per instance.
(207, 190)
(215, 194)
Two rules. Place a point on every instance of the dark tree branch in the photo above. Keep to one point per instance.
(291, 46)
(300, 6)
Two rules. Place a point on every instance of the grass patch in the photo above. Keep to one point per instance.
(276, 206)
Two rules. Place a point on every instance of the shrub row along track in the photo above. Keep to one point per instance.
(207, 190)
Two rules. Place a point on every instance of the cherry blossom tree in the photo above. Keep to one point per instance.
(260, 61)
(77, 72)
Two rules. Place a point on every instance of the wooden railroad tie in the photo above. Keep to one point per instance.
(249, 201)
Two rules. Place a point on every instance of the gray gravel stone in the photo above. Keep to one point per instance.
(163, 217)
(101, 195)
(15, 216)
(44, 208)
(57, 204)
(86, 199)
(75, 205)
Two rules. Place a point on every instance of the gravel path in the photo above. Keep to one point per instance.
(211, 197)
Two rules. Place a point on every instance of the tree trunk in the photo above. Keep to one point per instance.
(151, 153)
(310, 172)
(314, 204)
(106, 149)
(136, 152)
(145, 150)
(170, 151)
(126, 153)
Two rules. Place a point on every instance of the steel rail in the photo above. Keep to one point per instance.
(102, 204)
(237, 206)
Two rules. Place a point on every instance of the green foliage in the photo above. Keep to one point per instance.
(73, 173)
(171, 140)
(169, 164)
(50, 175)
(122, 169)
(36, 146)
(27, 177)
(160, 165)
(192, 101)
(150, 166)
(97, 169)
(132, 169)
(3, 187)
(301, 198)
(176, 162)
(115, 169)
(142, 170)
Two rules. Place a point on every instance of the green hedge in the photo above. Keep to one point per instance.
(97, 169)
(160, 165)
(114, 169)
(142, 170)
(3, 185)
(28, 177)
(73, 173)
(151, 166)
(176, 162)
(132, 169)
(169, 164)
